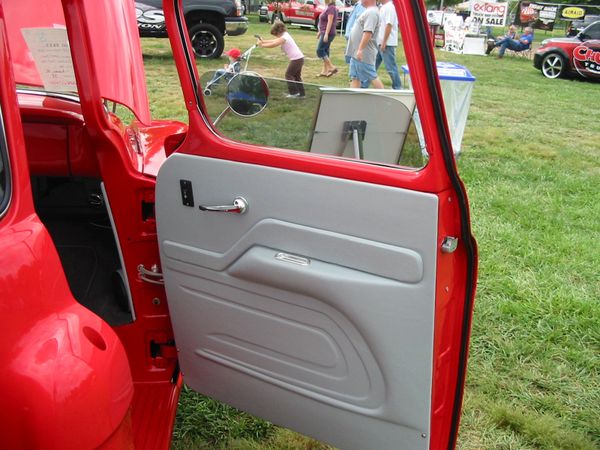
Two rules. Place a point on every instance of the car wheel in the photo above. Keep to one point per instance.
(207, 40)
(553, 65)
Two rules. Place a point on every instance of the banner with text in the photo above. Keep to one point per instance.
(489, 14)
(536, 15)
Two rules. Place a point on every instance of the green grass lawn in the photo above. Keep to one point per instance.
(531, 164)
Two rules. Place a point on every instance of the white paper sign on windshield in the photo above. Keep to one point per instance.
(49, 48)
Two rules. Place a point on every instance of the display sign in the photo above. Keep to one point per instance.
(49, 48)
(572, 12)
(489, 14)
(435, 17)
(537, 15)
(454, 38)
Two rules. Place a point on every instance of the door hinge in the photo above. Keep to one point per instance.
(449, 244)
(152, 275)
(163, 349)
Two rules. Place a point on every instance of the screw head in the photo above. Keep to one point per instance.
(156, 301)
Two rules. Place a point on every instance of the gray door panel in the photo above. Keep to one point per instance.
(336, 341)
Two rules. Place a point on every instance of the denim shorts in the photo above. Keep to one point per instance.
(362, 71)
(323, 47)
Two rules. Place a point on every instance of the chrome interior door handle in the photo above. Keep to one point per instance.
(240, 206)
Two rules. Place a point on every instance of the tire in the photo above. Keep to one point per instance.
(207, 40)
(553, 66)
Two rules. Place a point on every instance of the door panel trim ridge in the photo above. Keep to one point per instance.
(369, 256)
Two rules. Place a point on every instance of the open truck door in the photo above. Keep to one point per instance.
(328, 295)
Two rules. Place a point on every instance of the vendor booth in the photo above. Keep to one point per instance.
(457, 87)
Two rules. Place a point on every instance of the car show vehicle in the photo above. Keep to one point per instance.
(207, 21)
(263, 13)
(303, 12)
(571, 56)
(326, 294)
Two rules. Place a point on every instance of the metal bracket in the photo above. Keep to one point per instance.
(449, 244)
(150, 276)
(355, 130)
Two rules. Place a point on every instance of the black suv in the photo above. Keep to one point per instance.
(207, 22)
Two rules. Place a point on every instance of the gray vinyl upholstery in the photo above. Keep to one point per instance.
(339, 348)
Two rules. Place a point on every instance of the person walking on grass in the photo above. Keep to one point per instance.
(387, 41)
(293, 73)
(326, 34)
(362, 48)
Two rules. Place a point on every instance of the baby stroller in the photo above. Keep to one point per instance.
(224, 75)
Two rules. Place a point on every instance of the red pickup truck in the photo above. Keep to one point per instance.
(324, 293)
(305, 12)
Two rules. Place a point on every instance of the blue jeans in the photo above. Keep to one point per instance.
(323, 47)
(511, 44)
(388, 57)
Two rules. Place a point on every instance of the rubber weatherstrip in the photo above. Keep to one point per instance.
(4, 163)
(464, 215)
(182, 30)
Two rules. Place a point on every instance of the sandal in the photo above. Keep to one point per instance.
(323, 74)
(333, 72)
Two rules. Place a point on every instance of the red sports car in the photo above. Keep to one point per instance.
(577, 55)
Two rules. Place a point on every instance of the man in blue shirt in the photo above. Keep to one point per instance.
(356, 11)
(512, 44)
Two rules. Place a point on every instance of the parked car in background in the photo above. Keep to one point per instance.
(571, 56)
(303, 12)
(207, 22)
(578, 25)
(263, 13)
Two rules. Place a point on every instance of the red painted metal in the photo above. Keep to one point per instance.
(66, 379)
(115, 47)
(155, 405)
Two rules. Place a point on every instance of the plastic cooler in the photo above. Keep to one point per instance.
(457, 88)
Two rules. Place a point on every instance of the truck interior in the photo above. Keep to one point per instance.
(68, 198)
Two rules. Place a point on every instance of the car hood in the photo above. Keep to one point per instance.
(116, 54)
(565, 40)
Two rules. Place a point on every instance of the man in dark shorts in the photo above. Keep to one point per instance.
(362, 48)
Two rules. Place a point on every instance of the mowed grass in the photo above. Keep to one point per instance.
(531, 164)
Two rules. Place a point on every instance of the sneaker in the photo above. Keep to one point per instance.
(291, 96)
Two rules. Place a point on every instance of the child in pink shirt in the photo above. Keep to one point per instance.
(288, 46)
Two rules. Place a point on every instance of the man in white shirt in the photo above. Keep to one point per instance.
(387, 41)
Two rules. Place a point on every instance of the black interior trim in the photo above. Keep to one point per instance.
(466, 236)
(190, 64)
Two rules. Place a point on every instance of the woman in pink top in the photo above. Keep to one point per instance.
(288, 46)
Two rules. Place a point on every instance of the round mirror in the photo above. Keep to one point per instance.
(247, 94)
